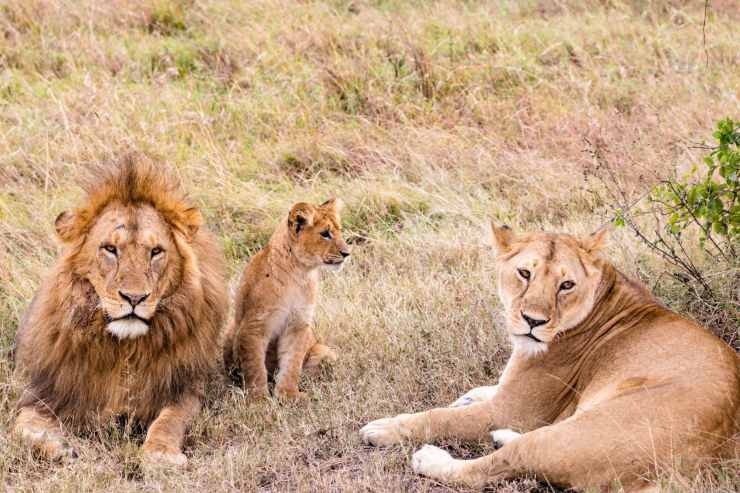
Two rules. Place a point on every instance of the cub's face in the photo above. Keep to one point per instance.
(131, 259)
(547, 284)
(316, 235)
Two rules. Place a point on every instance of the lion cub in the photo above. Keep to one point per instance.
(277, 298)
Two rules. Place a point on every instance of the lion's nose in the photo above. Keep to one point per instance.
(345, 253)
(533, 322)
(133, 299)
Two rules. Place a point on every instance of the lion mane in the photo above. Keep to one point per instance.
(75, 370)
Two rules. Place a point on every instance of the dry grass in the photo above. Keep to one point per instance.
(426, 117)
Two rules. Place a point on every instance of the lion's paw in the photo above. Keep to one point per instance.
(383, 432)
(478, 394)
(433, 462)
(163, 456)
(503, 436)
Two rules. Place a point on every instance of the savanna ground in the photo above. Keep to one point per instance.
(426, 117)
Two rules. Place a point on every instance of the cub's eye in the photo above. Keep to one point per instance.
(524, 273)
(565, 286)
(326, 234)
(110, 249)
(156, 251)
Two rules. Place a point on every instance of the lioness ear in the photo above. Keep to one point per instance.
(503, 236)
(64, 226)
(596, 241)
(193, 221)
(301, 216)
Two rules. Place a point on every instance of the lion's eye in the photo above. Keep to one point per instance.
(524, 273)
(156, 251)
(326, 234)
(565, 286)
(110, 249)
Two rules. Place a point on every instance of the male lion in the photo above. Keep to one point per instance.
(128, 320)
(277, 299)
(604, 383)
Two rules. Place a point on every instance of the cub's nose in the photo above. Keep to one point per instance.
(533, 322)
(133, 299)
(345, 253)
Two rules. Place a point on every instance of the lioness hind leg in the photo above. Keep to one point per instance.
(477, 394)
(44, 434)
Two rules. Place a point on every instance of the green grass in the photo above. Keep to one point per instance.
(427, 118)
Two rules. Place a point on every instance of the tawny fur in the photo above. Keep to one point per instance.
(275, 305)
(78, 372)
(617, 387)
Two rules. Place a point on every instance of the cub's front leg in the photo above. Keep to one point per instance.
(293, 346)
(164, 438)
(43, 433)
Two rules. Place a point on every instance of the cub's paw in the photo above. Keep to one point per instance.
(286, 394)
(435, 463)
(478, 394)
(383, 432)
(504, 436)
(159, 455)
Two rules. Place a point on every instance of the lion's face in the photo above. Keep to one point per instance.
(316, 235)
(131, 259)
(547, 284)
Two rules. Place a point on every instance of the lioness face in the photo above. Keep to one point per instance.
(131, 262)
(316, 235)
(547, 284)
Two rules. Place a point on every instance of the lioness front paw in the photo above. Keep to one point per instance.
(503, 436)
(383, 432)
(159, 455)
(435, 463)
(477, 394)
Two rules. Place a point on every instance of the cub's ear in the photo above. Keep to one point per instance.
(333, 204)
(596, 241)
(192, 221)
(64, 225)
(301, 216)
(503, 236)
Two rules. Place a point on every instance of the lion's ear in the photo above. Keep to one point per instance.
(334, 205)
(193, 220)
(300, 217)
(503, 237)
(64, 225)
(596, 241)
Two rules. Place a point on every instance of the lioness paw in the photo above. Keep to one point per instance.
(478, 394)
(503, 436)
(434, 462)
(383, 432)
(158, 455)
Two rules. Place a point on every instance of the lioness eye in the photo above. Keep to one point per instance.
(326, 234)
(567, 285)
(110, 249)
(524, 273)
(156, 251)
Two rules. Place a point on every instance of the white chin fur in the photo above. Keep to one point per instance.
(334, 267)
(527, 346)
(131, 328)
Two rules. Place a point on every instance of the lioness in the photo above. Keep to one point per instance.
(128, 320)
(277, 299)
(604, 383)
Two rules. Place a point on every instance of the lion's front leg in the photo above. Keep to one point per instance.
(43, 433)
(164, 438)
(292, 349)
(470, 422)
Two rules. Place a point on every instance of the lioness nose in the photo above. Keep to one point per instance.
(533, 322)
(345, 253)
(133, 299)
